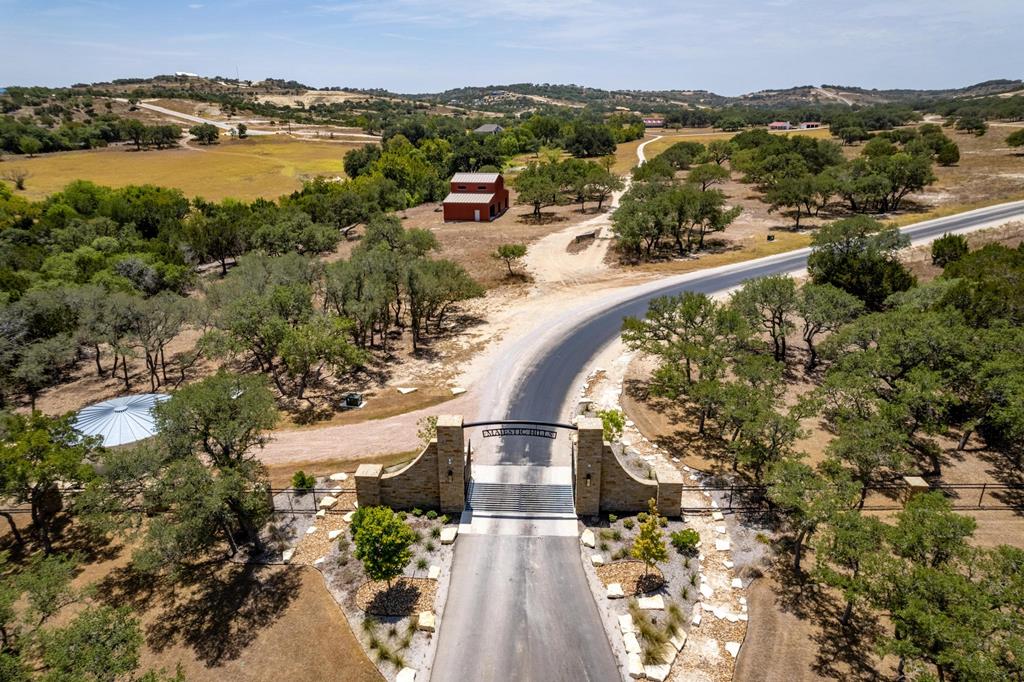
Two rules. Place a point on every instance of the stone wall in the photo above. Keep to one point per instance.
(415, 485)
(621, 491)
(603, 484)
(434, 480)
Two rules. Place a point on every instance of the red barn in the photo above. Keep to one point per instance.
(476, 197)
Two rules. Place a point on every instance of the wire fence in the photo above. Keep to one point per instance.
(986, 496)
(878, 497)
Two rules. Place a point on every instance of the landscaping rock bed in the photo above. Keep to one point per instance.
(404, 597)
(385, 622)
(632, 575)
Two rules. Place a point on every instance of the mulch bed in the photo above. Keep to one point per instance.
(630, 574)
(406, 596)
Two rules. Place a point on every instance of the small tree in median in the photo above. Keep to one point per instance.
(383, 543)
(510, 253)
(649, 545)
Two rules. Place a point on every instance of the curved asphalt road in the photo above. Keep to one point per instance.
(520, 607)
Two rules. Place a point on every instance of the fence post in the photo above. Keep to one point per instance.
(730, 496)
(982, 496)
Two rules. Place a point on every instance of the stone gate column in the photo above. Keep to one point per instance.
(589, 455)
(451, 464)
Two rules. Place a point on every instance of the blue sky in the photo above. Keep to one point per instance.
(728, 46)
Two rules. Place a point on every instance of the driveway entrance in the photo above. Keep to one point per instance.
(523, 499)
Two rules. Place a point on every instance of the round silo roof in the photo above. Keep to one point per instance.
(120, 420)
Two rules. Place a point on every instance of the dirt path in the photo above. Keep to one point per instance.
(550, 261)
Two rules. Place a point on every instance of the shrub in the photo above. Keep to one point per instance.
(303, 482)
(685, 541)
(435, 532)
(948, 248)
(612, 518)
(684, 593)
(429, 546)
(603, 546)
(383, 544)
(617, 535)
(431, 514)
(357, 520)
(422, 564)
(444, 519)
(612, 422)
(416, 511)
(403, 515)
(628, 524)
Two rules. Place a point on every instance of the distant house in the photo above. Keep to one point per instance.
(810, 125)
(488, 129)
(780, 125)
(653, 122)
(475, 197)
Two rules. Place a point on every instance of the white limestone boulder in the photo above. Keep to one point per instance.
(287, 555)
(626, 624)
(587, 538)
(339, 476)
(448, 534)
(328, 501)
(406, 675)
(333, 534)
(655, 603)
(434, 572)
(631, 643)
(426, 621)
(636, 667)
(614, 591)
(658, 673)
(733, 648)
(596, 560)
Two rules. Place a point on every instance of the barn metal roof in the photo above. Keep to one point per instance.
(468, 198)
(120, 420)
(476, 177)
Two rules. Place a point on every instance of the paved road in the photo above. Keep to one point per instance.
(519, 607)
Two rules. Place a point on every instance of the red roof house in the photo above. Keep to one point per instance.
(475, 197)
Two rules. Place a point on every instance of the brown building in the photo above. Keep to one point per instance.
(475, 197)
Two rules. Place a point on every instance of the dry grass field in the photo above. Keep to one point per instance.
(245, 169)
(222, 621)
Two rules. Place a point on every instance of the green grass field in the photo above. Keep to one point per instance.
(244, 169)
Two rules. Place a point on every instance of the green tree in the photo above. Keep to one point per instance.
(205, 133)
(649, 544)
(848, 542)
(29, 145)
(768, 303)
(220, 420)
(243, 131)
(1015, 139)
(859, 256)
(383, 543)
(101, 643)
(971, 123)
(510, 253)
(823, 308)
(40, 454)
(134, 130)
(949, 248)
(809, 498)
(707, 174)
(537, 186)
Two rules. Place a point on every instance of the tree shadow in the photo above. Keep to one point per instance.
(215, 609)
(398, 600)
(843, 653)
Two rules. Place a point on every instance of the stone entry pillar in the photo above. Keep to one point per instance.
(451, 464)
(589, 456)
